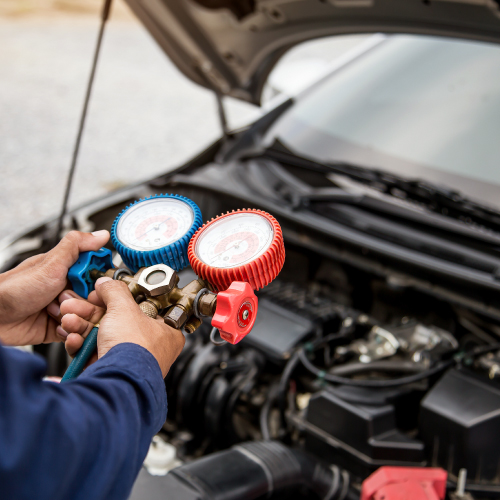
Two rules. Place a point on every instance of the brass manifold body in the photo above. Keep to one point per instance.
(155, 290)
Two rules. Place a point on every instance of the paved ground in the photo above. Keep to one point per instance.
(144, 118)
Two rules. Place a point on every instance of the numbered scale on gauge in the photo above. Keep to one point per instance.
(156, 230)
(246, 245)
(154, 223)
(234, 241)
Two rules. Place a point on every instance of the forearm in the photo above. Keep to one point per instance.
(82, 439)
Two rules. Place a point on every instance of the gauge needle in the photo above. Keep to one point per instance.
(162, 222)
(229, 248)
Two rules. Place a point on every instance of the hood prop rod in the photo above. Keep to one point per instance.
(222, 114)
(104, 17)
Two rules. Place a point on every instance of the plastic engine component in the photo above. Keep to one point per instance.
(79, 272)
(460, 424)
(173, 255)
(259, 272)
(366, 433)
(405, 483)
(236, 312)
(277, 330)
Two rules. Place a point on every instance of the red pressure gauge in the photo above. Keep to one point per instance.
(243, 246)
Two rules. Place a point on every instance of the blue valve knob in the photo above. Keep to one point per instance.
(79, 272)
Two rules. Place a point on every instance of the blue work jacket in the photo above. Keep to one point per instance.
(83, 439)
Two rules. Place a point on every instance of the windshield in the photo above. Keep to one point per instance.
(421, 107)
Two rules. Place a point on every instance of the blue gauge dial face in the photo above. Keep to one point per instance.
(154, 223)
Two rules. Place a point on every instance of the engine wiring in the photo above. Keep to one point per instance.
(277, 395)
(397, 382)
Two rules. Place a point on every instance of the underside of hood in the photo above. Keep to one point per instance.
(230, 46)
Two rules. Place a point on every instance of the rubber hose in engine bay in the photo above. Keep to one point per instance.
(255, 470)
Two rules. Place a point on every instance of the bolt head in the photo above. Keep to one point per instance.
(176, 317)
(157, 280)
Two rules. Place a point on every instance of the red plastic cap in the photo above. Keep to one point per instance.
(405, 483)
(236, 312)
(259, 272)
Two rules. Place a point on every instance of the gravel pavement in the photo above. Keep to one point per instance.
(144, 118)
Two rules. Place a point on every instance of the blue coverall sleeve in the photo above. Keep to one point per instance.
(80, 440)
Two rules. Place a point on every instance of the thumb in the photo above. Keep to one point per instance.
(115, 294)
(67, 250)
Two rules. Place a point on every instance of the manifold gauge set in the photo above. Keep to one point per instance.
(233, 255)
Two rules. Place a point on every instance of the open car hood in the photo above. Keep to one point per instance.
(231, 46)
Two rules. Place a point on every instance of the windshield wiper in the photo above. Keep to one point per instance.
(300, 200)
(438, 199)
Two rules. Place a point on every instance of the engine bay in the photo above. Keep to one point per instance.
(355, 369)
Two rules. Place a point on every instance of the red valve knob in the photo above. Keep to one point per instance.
(236, 311)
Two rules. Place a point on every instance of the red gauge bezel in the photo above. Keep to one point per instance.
(258, 273)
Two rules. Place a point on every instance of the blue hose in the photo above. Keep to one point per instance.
(84, 354)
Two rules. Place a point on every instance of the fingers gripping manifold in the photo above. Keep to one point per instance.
(233, 311)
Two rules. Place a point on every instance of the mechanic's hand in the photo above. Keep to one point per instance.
(28, 310)
(124, 322)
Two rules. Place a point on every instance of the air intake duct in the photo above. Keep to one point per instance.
(255, 470)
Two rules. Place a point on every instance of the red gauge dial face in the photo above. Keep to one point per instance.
(234, 241)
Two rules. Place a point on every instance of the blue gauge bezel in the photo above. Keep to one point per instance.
(173, 255)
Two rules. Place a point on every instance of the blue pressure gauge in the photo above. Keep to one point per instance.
(156, 230)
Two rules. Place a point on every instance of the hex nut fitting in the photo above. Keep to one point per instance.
(176, 317)
(207, 304)
(157, 280)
